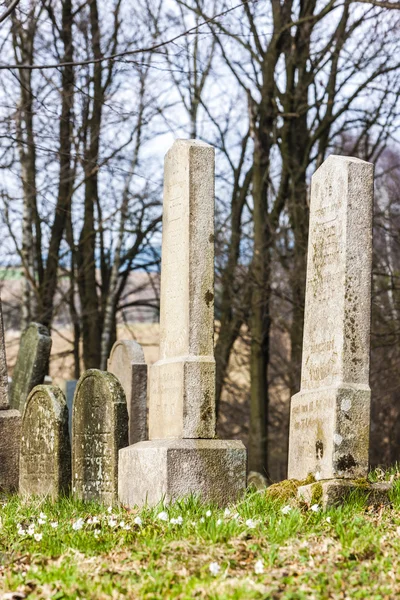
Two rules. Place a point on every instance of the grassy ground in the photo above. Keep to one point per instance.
(191, 550)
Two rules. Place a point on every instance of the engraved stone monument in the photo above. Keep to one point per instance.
(32, 361)
(329, 420)
(10, 426)
(182, 456)
(99, 430)
(45, 455)
(127, 363)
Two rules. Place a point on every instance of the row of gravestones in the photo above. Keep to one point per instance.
(101, 419)
(329, 423)
(100, 428)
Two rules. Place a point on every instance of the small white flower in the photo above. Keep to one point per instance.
(138, 521)
(219, 521)
(315, 507)
(89, 520)
(177, 521)
(122, 524)
(38, 536)
(259, 567)
(328, 519)
(43, 516)
(41, 521)
(227, 512)
(208, 514)
(202, 519)
(78, 524)
(214, 568)
(109, 509)
(31, 529)
(96, 532)
(286, 509)
(95, 520)
(21, 530)
(236, 516)
(112, 522)
(163, 516)
(54, 524)
(250, 523)
(127, 527)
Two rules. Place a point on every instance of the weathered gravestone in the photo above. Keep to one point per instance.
(32, 361)
(182, 457)
(45, 455)
(99, 430)
(127, 363)
(329, 421)
(10, 426)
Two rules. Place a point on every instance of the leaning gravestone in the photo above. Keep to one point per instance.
(182, 457)
(45, 455)
(99, 430)
(127, 363)
(32, 361)
(329, 421)
(10, 426)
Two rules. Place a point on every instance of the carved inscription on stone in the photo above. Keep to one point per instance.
(45, 456)
(329, 420)
(99, 430)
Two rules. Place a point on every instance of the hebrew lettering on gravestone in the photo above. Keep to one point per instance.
(127, 363)
(182, 456)
(45, 456)
(99, 430)
(32, 363)
(329, 421)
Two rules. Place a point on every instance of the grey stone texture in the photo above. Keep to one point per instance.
(10, 436)
(257, 480)
(32, 360)
(99, 430)
(45, 455)
(182, 382)
(215, 470)
(329, 420)
(4, 401)
(127, 363)
(10, 426)
(334, 491)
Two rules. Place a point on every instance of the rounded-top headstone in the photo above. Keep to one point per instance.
(31, 365)
(99, 430)
(45, 456)
(127, 363)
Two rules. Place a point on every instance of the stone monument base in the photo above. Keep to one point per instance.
(168, 470)
(10, 438)
(332, 492)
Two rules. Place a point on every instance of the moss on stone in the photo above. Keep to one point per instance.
(316, 493)
(287, 489)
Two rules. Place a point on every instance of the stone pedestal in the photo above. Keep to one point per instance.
(150, 471)
(10, 437)
(332, 492)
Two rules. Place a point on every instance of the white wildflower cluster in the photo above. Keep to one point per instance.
(214, 568)
(259, 567)
(286, 509)
(177, 521)
(250, 523)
